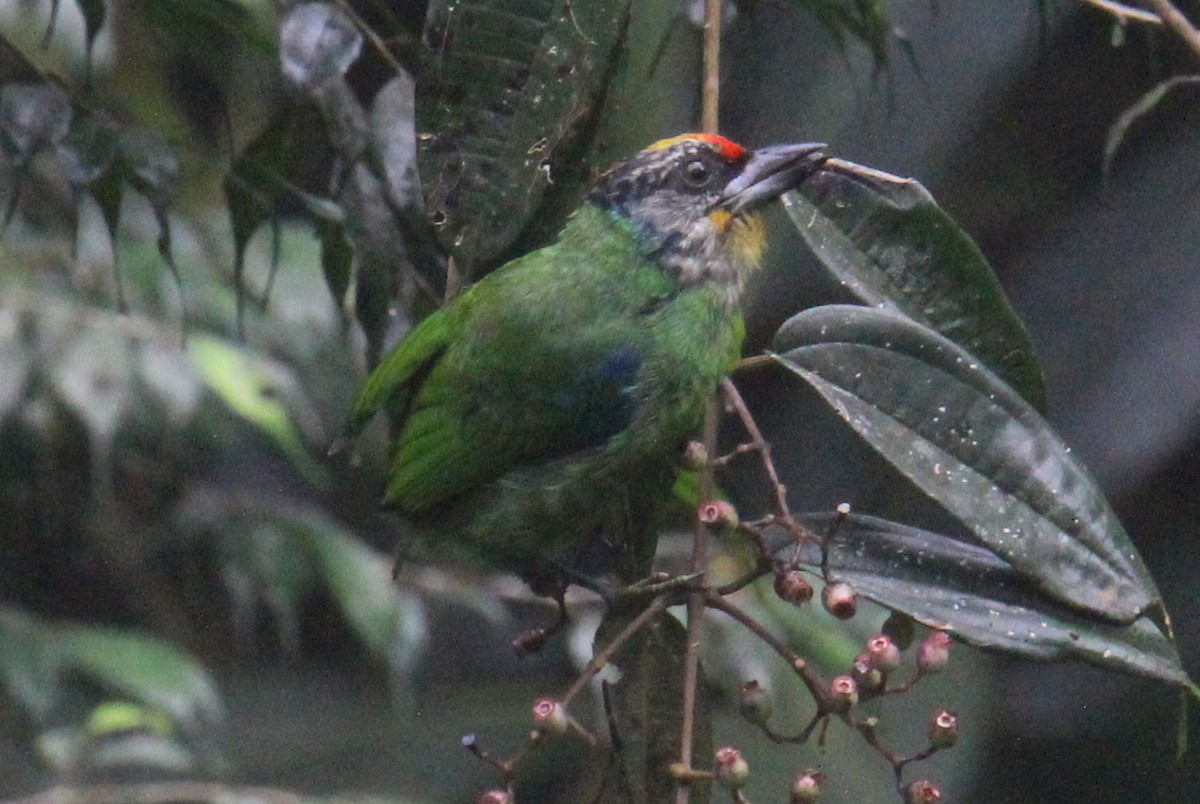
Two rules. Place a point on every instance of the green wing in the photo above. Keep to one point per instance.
(391, 385)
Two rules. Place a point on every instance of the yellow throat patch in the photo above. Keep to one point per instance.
(745, 235)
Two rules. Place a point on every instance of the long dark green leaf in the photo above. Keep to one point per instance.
(890, 244)
(966, 590)
(977, 448)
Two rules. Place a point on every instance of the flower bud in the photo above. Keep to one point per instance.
(791, 586)
(943, 729)
(550, 717)
(843, 692)
(868, 677)
(922, 791)
(718, 514)
(933, 654)
(730, 769)
(695, 456)
(840, 599)
(494, 797)
(755, 703)
(885, 656)
(807, 787)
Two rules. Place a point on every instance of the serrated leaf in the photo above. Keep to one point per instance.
(977, 448)
(144, 668)
(952, 585)
(508, 87)
(889, 243)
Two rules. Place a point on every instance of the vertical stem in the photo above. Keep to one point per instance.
(695, 609)
(695, 604)
(710, 91)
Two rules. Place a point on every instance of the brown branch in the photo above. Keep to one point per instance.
(1122, 12)
(1174, 19)
(601, 659)
(817, 687)
(695, 611)
(710, 92)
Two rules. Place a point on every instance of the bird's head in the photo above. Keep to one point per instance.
(691, 201)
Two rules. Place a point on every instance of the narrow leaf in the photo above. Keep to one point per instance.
(955, 586)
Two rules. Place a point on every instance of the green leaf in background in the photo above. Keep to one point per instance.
(39, 656)
(952, 585)
(145, 668)
(390, 620)
(256, 390)
(889, 243)
(978, 449)
(508, 89)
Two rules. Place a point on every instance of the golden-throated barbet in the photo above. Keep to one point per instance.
(539, 418)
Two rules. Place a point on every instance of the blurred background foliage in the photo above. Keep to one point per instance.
(190, 589)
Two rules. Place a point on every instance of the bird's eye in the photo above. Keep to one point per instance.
(696, 173)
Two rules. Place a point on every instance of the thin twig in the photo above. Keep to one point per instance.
(712, 66)
(760, 445)
(1174, 19)
(816, 686)
(1122, 12)
(601, 659)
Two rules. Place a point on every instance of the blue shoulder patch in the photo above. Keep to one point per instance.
(602, 403)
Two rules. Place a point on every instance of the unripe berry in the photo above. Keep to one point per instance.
(933, 654)
(840, 599)
(843, 692)
(695, 456)
(792, 587)
(494, 797)
(807, 788)
(550, 717)
(755, 703)
(885, 656)
(730, 769)
(943, 729)
(922, 791)
(868, 677)
(718, 514)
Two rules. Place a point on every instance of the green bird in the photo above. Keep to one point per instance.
(539, 418)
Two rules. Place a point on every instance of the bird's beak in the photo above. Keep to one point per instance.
(770, 173)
